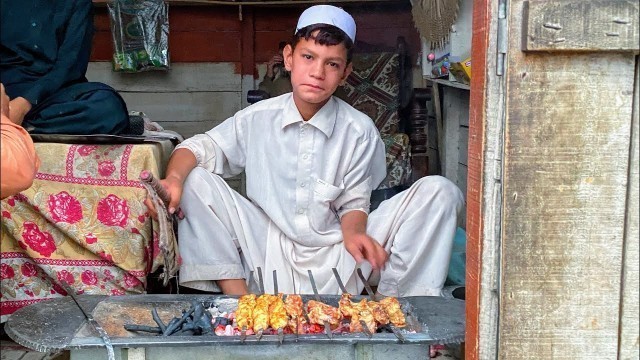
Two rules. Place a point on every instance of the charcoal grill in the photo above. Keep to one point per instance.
(59, 324)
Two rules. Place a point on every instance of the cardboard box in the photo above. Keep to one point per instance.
(462, 70)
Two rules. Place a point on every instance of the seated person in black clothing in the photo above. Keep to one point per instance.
(44, 53)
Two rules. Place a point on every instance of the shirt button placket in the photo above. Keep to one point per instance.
(302, 176)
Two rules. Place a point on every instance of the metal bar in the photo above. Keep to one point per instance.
(342, 288)
(92, 321)
(365, 328)
(275, 283)
(366, 285)
(275, 292)
(260, 282)
(327, 328)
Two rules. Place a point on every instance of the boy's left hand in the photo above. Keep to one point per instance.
(363, 247)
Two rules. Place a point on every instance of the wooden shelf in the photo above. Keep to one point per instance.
(450, 83)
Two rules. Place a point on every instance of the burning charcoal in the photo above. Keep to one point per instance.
(171, 327)
(156, 318)
(207, 329)
(176, 323)
(222, 321)
(149, 329)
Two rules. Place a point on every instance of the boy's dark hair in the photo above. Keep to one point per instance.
(328, 35)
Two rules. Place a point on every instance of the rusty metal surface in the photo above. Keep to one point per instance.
(59, 324)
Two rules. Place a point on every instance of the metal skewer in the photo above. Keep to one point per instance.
(243, 331)
(344, 291)
(366, 285)
(275, 292)
(327, 328)
(89, 317)
(340, 284)
(365, 329)
(261, 284)
(293, 279)
(395, 331)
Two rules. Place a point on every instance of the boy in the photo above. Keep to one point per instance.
(311, 161)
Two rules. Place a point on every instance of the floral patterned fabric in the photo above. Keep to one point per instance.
(83, 222)
(373, 87)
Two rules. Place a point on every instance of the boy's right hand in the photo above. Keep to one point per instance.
(173, 186)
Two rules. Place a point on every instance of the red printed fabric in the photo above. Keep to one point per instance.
(83, 223)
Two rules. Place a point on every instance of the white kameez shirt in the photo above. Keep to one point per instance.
(303, 175)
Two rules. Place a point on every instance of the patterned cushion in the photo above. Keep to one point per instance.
(373, 88)
(398, 156)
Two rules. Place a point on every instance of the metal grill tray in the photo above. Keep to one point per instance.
(59, 323)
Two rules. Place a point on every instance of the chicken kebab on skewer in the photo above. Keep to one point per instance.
(244, 314)
(278, 318)
(261, 314)
(293, 305)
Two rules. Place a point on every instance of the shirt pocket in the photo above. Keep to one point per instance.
(323, 191)
(323, 216)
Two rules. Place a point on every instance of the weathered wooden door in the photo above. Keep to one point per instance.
(552, 216)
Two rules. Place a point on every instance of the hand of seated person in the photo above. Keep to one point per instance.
(173, 186)
(276, 60)
(4, 102)
(18, 108)
(363, 247)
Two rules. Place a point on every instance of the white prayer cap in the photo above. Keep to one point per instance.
(330, 15)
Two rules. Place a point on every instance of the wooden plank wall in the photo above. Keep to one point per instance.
(566, 172)
(216, 58)
(455, 114)
(629, 306)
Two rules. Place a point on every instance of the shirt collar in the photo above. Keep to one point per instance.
(324, 120)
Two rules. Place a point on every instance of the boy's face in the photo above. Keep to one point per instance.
(316, 70)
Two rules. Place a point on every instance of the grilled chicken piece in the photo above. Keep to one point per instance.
(261, 313)
(319, 313)
(379, 313)
(278, 318)
(346, 306)
(392, 307)
(293, 305)
(355, 326)
(244, 313)
(365, 314)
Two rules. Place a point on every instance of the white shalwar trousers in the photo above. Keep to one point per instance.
(225, 236)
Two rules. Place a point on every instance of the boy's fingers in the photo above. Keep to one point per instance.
(372, 254)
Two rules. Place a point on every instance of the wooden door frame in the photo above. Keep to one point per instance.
(484, 189)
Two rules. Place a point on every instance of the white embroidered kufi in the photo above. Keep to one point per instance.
(331, 15)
